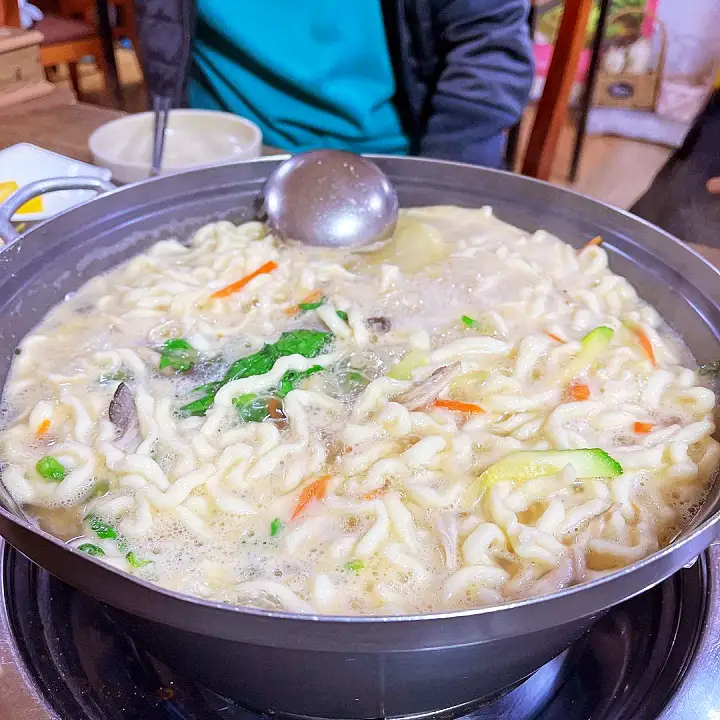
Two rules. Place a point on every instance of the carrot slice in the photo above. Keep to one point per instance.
(315, 491)
(554, 337)
(268, 267)
(458, 406)
(312, 297)
(43, 427)
(597, 240)
(642, 428)
(579, 392)
(646, 345)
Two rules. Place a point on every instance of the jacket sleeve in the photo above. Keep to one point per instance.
(485, 75)
(165, 29)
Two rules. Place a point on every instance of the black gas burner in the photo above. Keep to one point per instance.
(628, 667)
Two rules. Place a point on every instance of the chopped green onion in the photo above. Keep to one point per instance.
(342, 315)
(51, 469)
(117, 376)
(101, 528)
(178, 354)
(467, 321)
(276, 527)
(354, 565)
(135, 561)
(305, 307)
(91, 549)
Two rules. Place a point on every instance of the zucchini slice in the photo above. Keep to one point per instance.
(528, 464)
(594, 344)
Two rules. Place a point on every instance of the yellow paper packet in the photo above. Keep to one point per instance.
(31, 206)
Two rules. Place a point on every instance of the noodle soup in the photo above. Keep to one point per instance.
(468, 415)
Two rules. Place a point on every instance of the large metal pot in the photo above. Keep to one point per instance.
(337, 667)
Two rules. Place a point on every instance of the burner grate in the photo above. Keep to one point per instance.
(88, 668)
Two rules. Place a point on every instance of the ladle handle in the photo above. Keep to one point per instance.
(8, 233)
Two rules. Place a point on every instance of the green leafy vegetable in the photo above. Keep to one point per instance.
(354, 565)
(211, 387)
(709, 369)
(342, 315)
(199, 407)
(51, 469)
(252, 408)
(276, 527)
(305, 307)
(91, 549)
(117, 376)
(178, 354)
(135, 561)
(292, 378)
(467, 321)
(101, 528)
(308, 343)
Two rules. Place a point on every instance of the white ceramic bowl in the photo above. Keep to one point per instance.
(194, 138)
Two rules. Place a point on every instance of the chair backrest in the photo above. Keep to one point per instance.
(553, 105)
(9, 13)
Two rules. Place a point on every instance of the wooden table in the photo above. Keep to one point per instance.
(65, 129)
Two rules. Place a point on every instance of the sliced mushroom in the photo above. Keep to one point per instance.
(425, 392)
(379, 323)
(123, 415)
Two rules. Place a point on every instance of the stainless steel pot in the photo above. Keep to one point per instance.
(335, 667)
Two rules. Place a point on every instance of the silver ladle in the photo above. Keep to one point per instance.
(330, 198)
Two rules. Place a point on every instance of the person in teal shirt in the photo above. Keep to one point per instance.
(310, 73)
(440, 78)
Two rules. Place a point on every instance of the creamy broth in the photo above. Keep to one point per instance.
(469, 415)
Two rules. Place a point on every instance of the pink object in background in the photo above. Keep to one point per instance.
(543, 53)
(648, 26)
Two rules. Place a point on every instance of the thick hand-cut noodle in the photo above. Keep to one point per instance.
(355, 500)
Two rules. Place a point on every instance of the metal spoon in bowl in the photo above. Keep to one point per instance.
(161, 110)
(330, 198)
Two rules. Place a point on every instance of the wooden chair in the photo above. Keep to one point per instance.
(125, 22)
(552, 108)
(67, 40)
